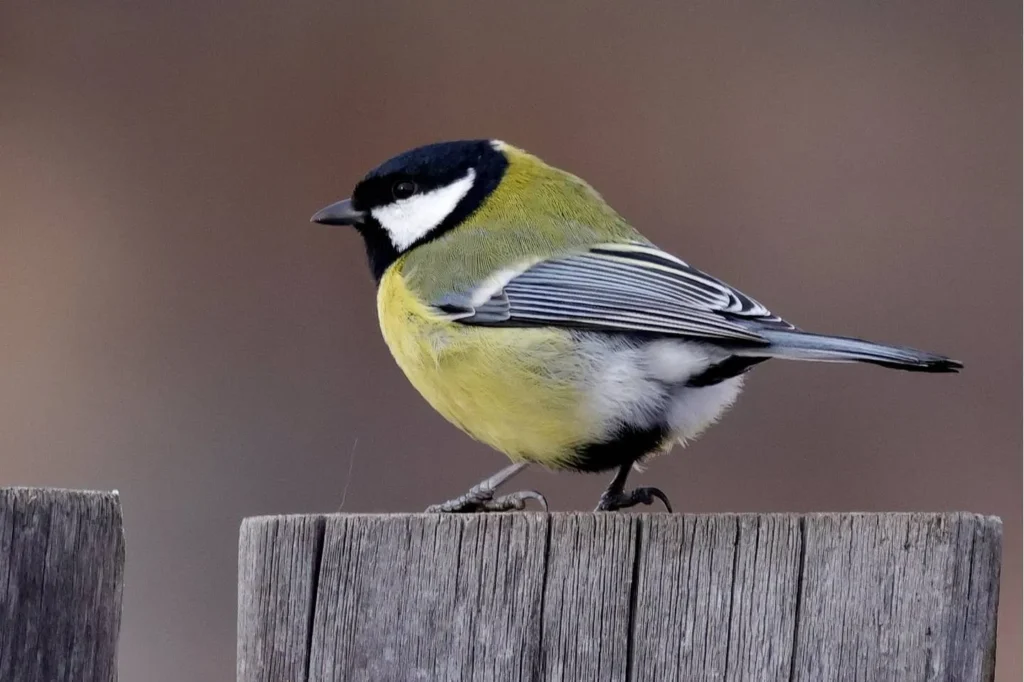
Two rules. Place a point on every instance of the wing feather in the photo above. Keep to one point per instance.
(632, 287)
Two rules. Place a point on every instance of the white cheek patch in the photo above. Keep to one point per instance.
(408, 220)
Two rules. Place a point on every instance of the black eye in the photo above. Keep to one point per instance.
(403, 189)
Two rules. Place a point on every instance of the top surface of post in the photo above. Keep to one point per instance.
(530, 596)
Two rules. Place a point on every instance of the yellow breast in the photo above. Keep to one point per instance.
(513, 389)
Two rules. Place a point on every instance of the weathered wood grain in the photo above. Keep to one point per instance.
(526, 596)
(717, 597)
(61, 576)
(588, 597)
(910, 597)
(471, 611)
(279, 560)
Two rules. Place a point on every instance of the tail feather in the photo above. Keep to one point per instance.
(797, 345)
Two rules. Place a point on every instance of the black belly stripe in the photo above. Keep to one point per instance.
(625, 446)
(732, 366)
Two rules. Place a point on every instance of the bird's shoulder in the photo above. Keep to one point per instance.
(486, 246)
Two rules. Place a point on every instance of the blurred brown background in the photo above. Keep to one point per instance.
(174, 328)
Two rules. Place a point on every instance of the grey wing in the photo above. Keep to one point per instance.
(631, 287)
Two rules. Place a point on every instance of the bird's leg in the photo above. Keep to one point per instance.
(480, 497)
(616, 497)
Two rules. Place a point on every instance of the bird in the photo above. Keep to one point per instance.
(535, 318)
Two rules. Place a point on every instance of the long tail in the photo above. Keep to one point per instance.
(797, 345)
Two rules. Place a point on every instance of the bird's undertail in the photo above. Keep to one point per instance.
(797, 345)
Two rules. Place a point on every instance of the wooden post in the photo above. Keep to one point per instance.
(657, 597)
(61, 567)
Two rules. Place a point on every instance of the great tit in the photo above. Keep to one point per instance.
(536, 319)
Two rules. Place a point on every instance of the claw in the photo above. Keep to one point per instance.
(516, 501)
(653, 492)
(626, 500)
(533, 494)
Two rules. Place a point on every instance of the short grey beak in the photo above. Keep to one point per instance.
(339, 213)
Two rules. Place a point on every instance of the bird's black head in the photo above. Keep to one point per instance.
(417, 196)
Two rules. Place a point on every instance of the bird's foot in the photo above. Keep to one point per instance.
(483, 500)
(612, 500)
